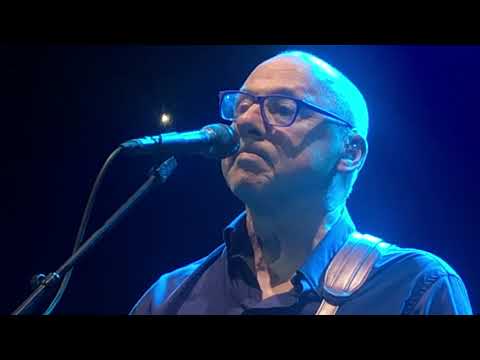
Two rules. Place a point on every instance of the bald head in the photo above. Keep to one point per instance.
(331, 89)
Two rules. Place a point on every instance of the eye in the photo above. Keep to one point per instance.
(242, 105)
(281, 107)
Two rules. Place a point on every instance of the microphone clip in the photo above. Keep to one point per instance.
(165, 169)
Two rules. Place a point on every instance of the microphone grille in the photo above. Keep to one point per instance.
(225, 140)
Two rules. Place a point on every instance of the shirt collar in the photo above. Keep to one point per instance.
(236, 238)
(238, 244)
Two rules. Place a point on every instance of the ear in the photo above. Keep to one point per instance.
(354, 155)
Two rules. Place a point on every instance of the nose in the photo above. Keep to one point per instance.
(251, 124)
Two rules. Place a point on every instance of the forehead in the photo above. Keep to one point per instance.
(286, 76)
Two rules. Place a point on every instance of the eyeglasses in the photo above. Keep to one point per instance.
(276, 110)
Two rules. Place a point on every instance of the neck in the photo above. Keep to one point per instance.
(283, 238)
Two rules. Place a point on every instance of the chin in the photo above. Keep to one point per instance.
(248, 187)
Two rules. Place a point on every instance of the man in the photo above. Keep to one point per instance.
(303, 140)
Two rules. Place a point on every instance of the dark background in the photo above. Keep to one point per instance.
(64, 108)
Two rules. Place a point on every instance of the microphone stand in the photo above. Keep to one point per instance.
(157, 175)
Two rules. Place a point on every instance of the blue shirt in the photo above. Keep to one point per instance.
(403, 281)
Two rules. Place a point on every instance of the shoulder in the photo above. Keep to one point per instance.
(163, 287)
(415, 259)
(432, 285)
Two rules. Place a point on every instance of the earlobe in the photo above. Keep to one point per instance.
(345, 165)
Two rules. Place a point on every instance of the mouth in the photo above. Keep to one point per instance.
(253, 154)
(249, 156)
(250, 162)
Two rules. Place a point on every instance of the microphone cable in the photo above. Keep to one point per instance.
(83, 227)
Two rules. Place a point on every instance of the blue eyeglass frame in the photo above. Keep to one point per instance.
(258, 99)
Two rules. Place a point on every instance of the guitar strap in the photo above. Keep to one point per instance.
(349, 270)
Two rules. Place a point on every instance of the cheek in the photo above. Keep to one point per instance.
(318, 159)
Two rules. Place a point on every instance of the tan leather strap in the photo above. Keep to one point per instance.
(349, 270)
(327, 309)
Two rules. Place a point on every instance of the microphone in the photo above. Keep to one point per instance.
(214, 141)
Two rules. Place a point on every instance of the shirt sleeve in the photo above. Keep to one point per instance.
(144, 305)
(446, 296)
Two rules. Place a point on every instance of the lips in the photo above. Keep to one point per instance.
(256, 150)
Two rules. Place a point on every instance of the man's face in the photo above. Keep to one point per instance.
(275, 164)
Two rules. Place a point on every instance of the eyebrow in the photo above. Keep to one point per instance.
(276, 91)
